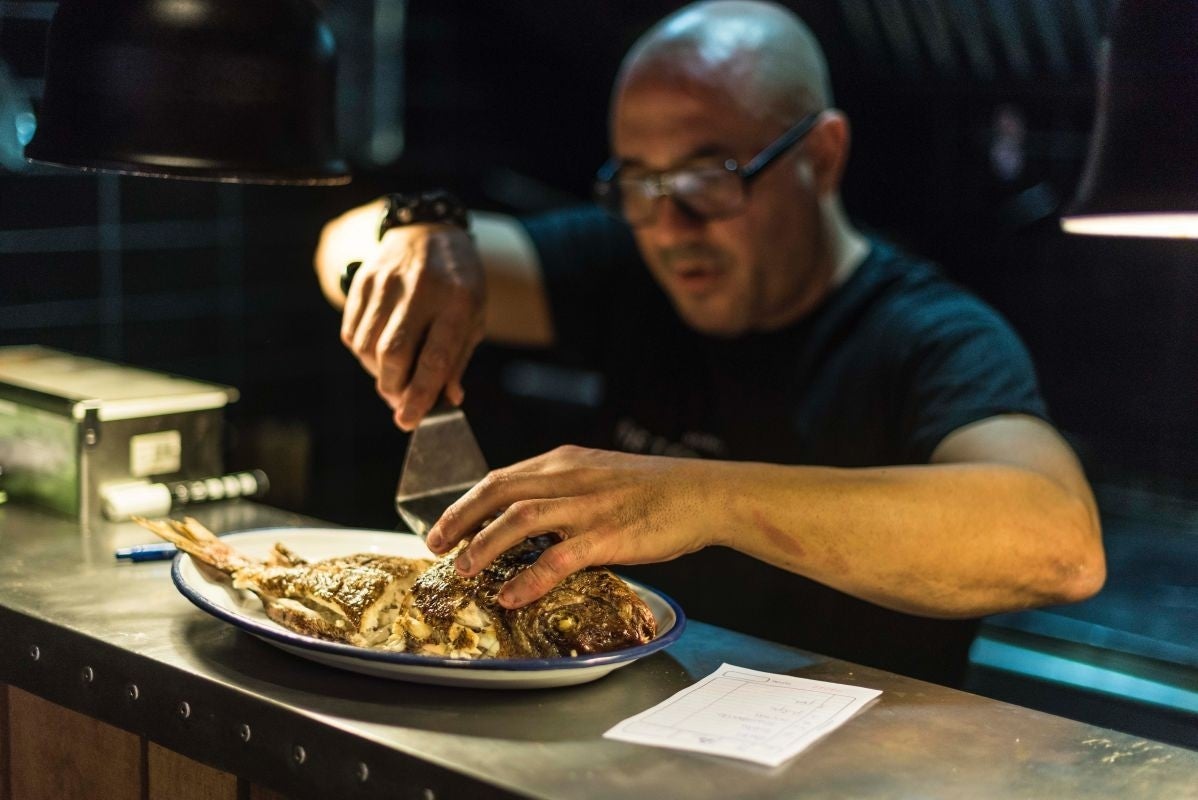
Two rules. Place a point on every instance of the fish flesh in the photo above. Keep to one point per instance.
(424, 606)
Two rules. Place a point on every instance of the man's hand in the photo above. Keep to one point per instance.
(414, 314)
(605, 507)
(415, 310)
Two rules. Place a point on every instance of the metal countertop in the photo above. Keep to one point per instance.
(313, 731)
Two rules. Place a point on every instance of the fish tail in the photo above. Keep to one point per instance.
(194, 539)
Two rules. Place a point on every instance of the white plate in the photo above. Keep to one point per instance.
(244, 610)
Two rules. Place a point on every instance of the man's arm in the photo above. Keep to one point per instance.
(426, 295)
(1003, 519)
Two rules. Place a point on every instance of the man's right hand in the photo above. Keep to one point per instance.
(414, 315)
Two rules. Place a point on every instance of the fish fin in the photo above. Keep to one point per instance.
(194, 539)
(168, 530)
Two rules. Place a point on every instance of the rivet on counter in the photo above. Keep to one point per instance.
(132, 691)
(244, 733)
(34, 652)
(88, 675)
(363, 772)
(298, 754)
(184, 709)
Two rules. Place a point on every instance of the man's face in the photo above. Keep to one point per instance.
(754, 270)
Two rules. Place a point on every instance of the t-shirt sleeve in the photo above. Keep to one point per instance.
(964, 364)
(586, 256)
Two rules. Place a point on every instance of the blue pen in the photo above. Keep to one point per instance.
(162, 551)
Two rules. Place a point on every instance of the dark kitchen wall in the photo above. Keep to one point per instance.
(970, 121)
(206, 280)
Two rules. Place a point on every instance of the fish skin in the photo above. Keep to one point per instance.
(347, 592)
(591, 611)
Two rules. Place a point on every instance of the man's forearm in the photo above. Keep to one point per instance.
(353, 236)
(517, 304)
(951, 540)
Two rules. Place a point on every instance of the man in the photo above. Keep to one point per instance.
(805, 361)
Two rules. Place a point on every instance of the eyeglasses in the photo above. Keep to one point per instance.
(706, 192)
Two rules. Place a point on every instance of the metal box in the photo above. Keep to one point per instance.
(71, 425)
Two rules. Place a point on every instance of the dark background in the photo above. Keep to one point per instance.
(970, 122)
(506, 104)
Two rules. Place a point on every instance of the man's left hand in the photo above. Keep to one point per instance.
(605, 507)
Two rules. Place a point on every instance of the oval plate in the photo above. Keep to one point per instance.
(243, 609)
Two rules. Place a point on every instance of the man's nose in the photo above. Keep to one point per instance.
(672, 219)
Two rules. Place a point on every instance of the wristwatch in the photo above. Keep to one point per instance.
(409, 209)
(438, 206)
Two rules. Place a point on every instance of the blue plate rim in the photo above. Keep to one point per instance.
(284, 636)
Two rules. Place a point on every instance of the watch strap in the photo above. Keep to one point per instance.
(437, 206)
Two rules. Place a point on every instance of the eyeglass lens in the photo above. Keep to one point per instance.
(708, 192)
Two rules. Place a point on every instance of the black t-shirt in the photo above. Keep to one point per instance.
(890, 363)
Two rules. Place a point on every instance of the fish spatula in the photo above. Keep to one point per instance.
(443, 461)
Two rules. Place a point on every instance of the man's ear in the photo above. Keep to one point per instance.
(826, 150)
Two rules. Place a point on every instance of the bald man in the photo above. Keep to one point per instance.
(874, 470)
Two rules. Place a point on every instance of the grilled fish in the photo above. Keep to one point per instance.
(591, 611)
(424, 606)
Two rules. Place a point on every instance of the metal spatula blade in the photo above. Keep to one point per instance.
(443, 461)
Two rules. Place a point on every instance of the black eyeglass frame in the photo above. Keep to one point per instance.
(607, 192)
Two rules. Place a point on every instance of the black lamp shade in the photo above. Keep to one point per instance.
(1141, 178)
(229, 90)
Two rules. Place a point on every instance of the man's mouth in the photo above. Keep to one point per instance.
(695, 278)
(695, 271)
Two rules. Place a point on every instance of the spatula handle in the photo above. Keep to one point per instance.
(441, 407)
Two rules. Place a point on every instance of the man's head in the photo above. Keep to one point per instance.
(722, 80)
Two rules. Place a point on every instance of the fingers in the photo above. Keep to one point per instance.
(554, 566)
(372, 301)
(435, 363)
(454, 389)
(351, 316)
(520, 521)
(413, 316)
(485, 500)
(606, 507)
(538, 477)
(394, 352)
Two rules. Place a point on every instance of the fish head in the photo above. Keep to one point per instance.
(592, 611)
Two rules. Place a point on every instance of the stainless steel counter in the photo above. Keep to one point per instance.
(117, 642)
